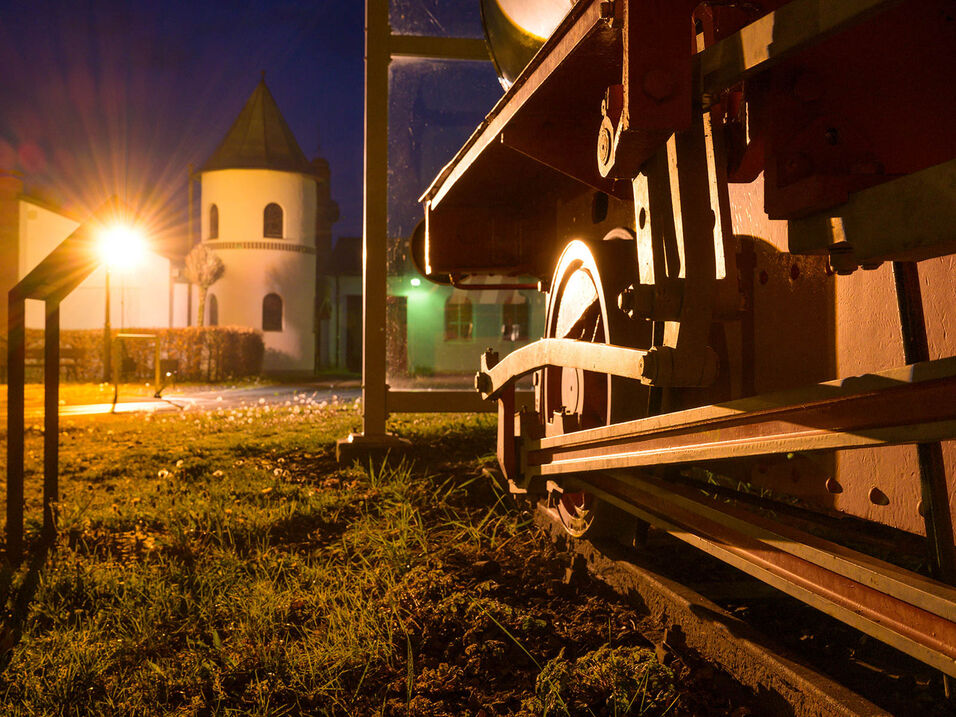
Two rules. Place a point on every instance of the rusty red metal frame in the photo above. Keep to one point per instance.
(912, 404)
(776, 36)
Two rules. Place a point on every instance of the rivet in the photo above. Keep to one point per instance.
(658, 84)
(878, 497)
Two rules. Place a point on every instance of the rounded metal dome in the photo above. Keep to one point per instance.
(516, 29)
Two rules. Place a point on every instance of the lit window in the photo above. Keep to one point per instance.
(213, 221)
(272, 221)
(272, 313)
(514, 318)
(458, 323)
(213, 303)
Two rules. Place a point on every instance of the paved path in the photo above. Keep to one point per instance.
(223, 398)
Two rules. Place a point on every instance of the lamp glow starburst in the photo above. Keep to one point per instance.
(122, 246)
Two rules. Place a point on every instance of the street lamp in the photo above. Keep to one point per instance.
(121, 247)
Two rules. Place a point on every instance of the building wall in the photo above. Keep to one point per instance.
(428, 348)
(257, 266)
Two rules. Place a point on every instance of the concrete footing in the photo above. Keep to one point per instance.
(361, 447)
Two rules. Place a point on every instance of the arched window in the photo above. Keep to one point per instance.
(213, 303)
(458, 322)
(272, 313)
(213, 221)
(272, 221)
(514, 318)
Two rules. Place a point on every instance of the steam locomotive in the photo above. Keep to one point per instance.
(743, 215)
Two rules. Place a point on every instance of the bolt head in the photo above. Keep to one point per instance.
(604, 145)
(658, 84)
(625, 300)
(491, 358)
(482, 382)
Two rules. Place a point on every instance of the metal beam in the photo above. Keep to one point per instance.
(428, 401)
(438, 48)
(908, 405)
(878, 221)
(795, 26)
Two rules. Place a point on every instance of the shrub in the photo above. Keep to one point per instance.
(212, 353)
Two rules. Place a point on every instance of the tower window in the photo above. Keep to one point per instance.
(458, 322)
(272, 221)
(213, 221)
(272, 313)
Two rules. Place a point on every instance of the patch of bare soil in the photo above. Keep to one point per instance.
(515, 627)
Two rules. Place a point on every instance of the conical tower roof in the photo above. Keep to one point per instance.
(259, 139)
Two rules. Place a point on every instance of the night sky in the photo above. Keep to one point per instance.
(100, 97)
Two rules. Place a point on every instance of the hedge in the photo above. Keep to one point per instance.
(211, 353)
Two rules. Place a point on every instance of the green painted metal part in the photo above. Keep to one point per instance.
(515, 37)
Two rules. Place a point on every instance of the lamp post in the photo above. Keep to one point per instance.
(120, 247)
(107, 353)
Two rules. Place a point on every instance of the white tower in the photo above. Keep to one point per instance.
(259, 216)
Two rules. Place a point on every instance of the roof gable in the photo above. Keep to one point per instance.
(259, 139)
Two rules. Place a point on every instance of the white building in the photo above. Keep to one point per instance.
(265, 208)
(266, 212)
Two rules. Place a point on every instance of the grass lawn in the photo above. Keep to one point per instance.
(221, 563)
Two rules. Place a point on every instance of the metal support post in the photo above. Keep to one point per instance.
(190, 241)
(932, 471)
(157, 372)
(16, 359)
(58, 274)
(107, 372)
(380, 46)
(373, 438)
(374, 253)
(51, 417)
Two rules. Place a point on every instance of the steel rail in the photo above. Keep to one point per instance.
(913, 614)
(746, 653)
(908, 405)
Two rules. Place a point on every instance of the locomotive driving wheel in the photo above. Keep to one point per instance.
(582, 305)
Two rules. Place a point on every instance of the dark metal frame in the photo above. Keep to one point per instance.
(51, 281)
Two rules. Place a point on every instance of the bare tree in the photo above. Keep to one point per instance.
(203, 268)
